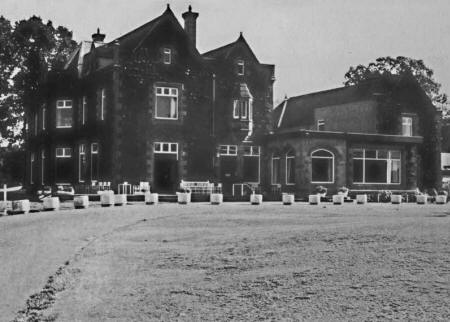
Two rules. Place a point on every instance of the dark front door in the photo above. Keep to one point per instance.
(228, 173)
(165, 173)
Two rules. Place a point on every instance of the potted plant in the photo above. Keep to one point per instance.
(361, 199)
(321, 191)
(338, 199)
(151, 198)
(396, 198)
(50, 203)
(343, 191)
(386, 196)
(80, 202)
(288, 198)
(421, 198)
(256, 198)
(441, 197)
(21, 206)
(120, 200)
(107, 198)
(184, 196)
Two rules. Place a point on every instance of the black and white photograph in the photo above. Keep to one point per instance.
(211, 160)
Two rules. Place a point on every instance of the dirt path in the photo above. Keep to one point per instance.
(246, 263)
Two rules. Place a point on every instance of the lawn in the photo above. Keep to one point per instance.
(271, 262)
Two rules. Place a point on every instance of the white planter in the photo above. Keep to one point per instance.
(107, 199)
(314, 199)
(441, 199)
(396, 199)
(361, 199)
(216, 198)
(81, 202)
(421, 199)
(151, 198)
(50, 203)
(3, 207)
(338, 199)
(183, 197)
(256, 199)
(288, 199)
(120, 200)
(21, 206)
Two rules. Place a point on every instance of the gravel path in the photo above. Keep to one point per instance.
(270, 262)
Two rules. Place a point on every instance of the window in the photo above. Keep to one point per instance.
(240, 67)
(42, 166)
(376, 166)
(31, 167)
(167, 56)
(276, 169)
(83, 110)
(36, 123)
(407, 126)
(242, 109)
(227, 149)
(102, 104)
(166, 103)
(63, 152)
(82, 162)
(290, 168)
(320, 125)
(44, 112)
(64, 113)
(95, 162)
(165, 147)
(322, 166)
(250, 167)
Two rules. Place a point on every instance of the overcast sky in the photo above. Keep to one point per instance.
(311, 42)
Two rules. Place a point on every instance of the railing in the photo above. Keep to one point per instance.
(201, 187)
(239, 187)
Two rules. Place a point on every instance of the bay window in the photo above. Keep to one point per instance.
(376, 166)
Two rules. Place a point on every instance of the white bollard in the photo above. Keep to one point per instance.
(151, 198)
(80, 202)
(107, 198)
(120, 200)
(396, 199)
(21, 206)
(50, 203)
(314, 199)
(441, 199)
(256, 199)
(361, 199)
(288, 198)
(216, 198)
(338, 199)
(421, 199)
(183, 198)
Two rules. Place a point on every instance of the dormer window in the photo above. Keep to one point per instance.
(240, 67)
(167, 56)
(320, 125)
(407, 126)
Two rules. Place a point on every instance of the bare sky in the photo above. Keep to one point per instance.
(311, 42)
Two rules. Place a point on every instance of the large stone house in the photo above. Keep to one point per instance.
(149, 107)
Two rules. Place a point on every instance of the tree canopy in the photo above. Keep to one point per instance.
(29, 49)
(399, 66)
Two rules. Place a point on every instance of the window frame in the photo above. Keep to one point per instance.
(253, 151)
(389, 161)
(83, 109)
(407, 122)
(289, 157)
(166, 95)
(275, 157)
(64, 106)
(323, 157)
(81, 151)
(42, 166)
(44, 110)
(64, 154)
(102, 103)
(32, 159)
(228, 149)
(321, 123)
(240, 67)
(167, 53)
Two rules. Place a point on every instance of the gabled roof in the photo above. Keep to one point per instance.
(75, 60)
(225, 51)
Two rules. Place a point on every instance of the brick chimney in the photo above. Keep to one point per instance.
(190, 24)
(98, 37)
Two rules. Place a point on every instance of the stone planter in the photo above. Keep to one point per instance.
(107, 199)
(421, 199)
(396, 199)
(256, 199)
(3, 207)
(21, 206)
(338, 199)
(288, 199)
(50, 203)
(441, 199)
(151, 198)
(120, 200)
(314, 199)
(361, 199)
(80, 202)
(216, 198)
(183, 198)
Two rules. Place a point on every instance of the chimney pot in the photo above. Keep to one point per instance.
(98, 37)
(190, 24)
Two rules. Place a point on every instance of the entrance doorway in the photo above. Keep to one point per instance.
(165, 173)
(228, 173)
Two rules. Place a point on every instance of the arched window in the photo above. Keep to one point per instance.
(290, 167)
(276, 169)
(322, 166)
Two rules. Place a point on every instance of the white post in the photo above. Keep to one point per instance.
(4, 192)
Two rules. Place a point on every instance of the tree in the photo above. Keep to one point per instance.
(28, 51)
(399, 66)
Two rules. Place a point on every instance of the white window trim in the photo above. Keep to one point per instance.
(96, 152)
(407, 121)
(320, 123)
(32, 158)
(42, 166)
(81, 151)
(169, 150)
(272, 168)
(102, 104)
(83, 110)
(236, 109)
(389, 160)
(319, 157)
(64, 154)
(254, 154)
(167, 52)
(64, 107)
(44, 110)
(228, 150)
(239, 64)
(286, 167)
(36, 124)
(166, 95)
